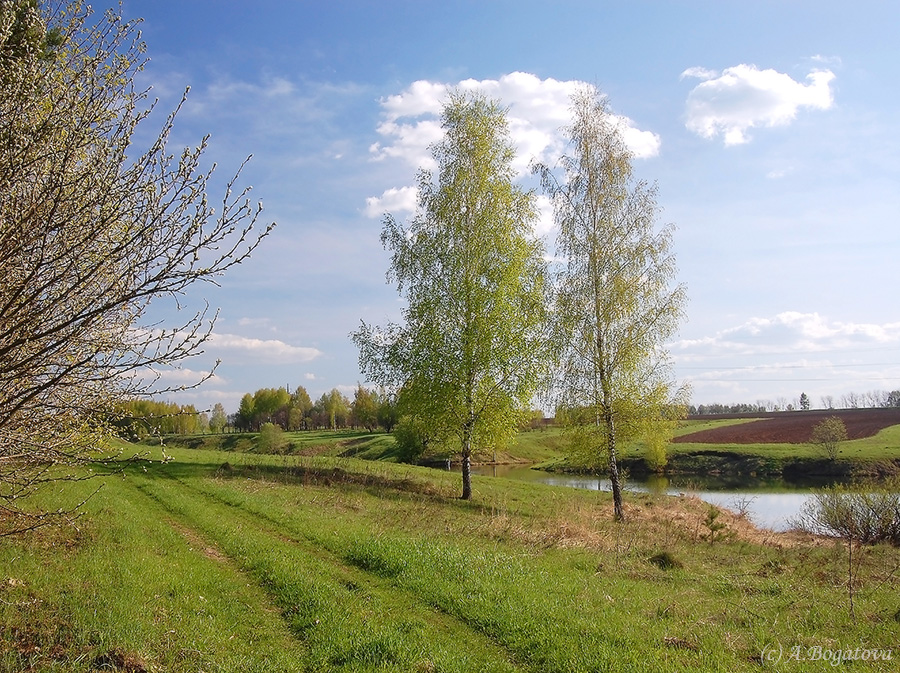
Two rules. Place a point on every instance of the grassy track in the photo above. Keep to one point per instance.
(220, 561)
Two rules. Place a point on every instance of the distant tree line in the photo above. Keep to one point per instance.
(873, 399)
(370, 409)
(717, 408)
(139, 419)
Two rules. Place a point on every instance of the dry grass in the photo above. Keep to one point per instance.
(650, 522)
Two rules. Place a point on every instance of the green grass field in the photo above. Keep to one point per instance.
(224, 561)
(545, 446)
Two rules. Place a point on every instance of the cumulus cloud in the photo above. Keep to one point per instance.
(263, 350)
(791, 330)
(392, 201)
(743, 97)
(768, 357)
(537, 110)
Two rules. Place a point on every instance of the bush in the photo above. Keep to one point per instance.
(416, 438)
(271, 439)
(715, 530)
(868, 513)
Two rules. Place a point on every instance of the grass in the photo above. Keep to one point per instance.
(549, 446)
(546, 447)
(222, 561)
(344, 442)
(885, 445)
(696, 425)
(529, 447)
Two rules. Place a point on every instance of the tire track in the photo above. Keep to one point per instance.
(364, 586)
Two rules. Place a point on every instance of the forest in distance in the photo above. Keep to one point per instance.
(373, 408)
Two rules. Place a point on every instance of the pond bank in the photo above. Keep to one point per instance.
(725, 463)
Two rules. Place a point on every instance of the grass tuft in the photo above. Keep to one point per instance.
(665, 560)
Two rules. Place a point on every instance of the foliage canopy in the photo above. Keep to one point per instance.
(827, 434)
(614, 304)
(471, 347)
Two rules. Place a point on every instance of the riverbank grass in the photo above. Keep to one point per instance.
(220, 561)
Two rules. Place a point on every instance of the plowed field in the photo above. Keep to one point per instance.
(791, 427)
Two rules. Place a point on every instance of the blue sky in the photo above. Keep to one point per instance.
(770, 128)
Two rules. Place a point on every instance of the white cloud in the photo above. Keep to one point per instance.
(828, 60)
(742, 97)
(545, 222)
(790, 330)
(392, 200)
(346, 390)
(422, 97)
(700, 73)
(230, 95)
(309, 376)
(791, 352)
(644, 144)
(263, 350)
(409, 142)
(179, 376)
(537, 110)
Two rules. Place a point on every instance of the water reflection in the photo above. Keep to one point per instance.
(770, 503)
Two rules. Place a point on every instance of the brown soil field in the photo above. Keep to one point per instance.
(791, 427)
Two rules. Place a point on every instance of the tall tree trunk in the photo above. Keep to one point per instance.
(619, 512)
(467, 458)
(609, 421)
(467, 471)
(468, 428)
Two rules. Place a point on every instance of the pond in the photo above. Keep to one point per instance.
(770, 503)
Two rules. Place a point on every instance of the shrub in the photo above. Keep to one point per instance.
(416, 438)
(868, 513)
(715, 530)
(271, 439)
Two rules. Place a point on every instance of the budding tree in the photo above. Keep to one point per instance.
(471, 350)
(614, 304)
(828, 434)
(92, 230)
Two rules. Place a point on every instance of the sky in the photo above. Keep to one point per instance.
(769, 128)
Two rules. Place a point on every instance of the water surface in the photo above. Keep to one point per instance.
(770, 503)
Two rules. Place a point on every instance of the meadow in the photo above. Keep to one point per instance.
(228, 560)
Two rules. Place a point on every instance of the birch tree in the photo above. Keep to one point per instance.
(471, 346)
(92, 229)
(615, 303)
